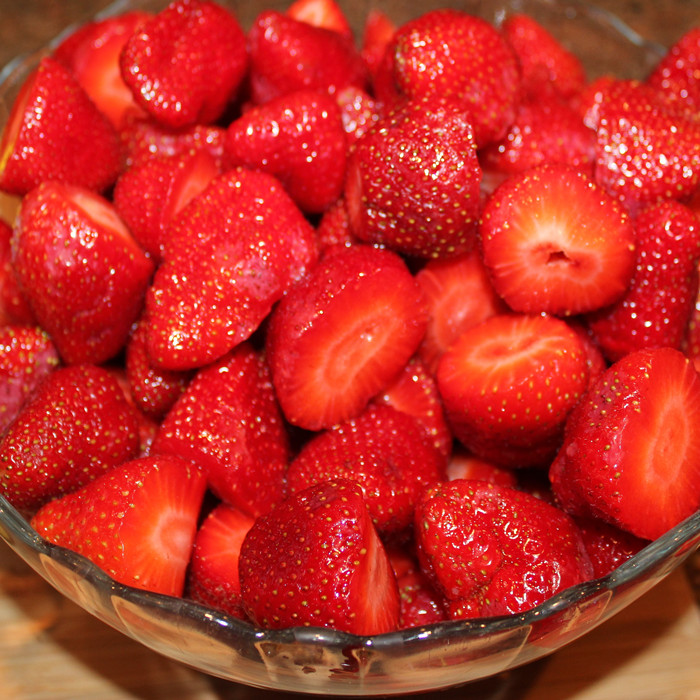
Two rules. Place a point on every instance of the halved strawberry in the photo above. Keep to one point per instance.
(321, 13)
(137, 522)
(342, 334)
(80, 269)
(631, 453)
(287, 554)
(55, 132)
(555, 242)
(508, 385)
(212, 577)
(76, 426)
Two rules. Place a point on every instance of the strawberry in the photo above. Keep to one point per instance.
(413, 181)
(299, 137)
(463, 465)
(287, 554)
(92, 55)
(494, 550)
(646, 150)
(27, 356)
(321, 13)
(75, 426)
(459, 295)
(149, 195)
(80, 269)
(227, 421)
(385, 452)
(546, 65)
(14, 307)
(450, 54)
(342, 334)
(287, 55)
(631, 455)
(186, 63)
(333, 230)
(212, 577)
(553, 241)
(545, 130)
(358, 110)
(377, 33)
(137, 522)
(55, 132)
(657, 307)
(508, 385)
(231, 253)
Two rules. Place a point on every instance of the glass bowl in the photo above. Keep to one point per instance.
(326, 662)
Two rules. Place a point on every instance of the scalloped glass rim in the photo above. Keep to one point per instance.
(321, 661)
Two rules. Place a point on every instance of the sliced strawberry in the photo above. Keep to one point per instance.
(213, 572)
(459, 295)
(14, 307)
(92, 54)
(227, 421)
(287, 55)
(80, 269)
(148, 196)
(321, 13)
(342, 334)
(231, 253)
(55, 132)
(657, 307)
(76, 426)
(463, 465)
(384, 451)
(508, 385)
(137, 522)
(554, 242)
(27, 356)
(450, 54)
(299, 137)
(631, 453)
(493, 550)
(413, 181)
(186, 63)
(287, 554)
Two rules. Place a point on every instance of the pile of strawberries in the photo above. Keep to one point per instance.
(358, 334)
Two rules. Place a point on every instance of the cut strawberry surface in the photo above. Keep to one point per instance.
(321, 13)
(553, 241)
(631, 454)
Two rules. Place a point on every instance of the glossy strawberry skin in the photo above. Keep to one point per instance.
(227, 421)
(76, 426)
(137, 522)
(55, 132)
(483, 563)
(324, 528)
(608, 547)
(81, 271)
(14, 308)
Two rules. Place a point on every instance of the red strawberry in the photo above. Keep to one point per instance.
(546, 130)
(333, 230)
(358, 110)
(185, 64)
(76, 426)
(287, 55)
(92, 54)
(459, 295)
(137, 522)
(148, 196)
(55, 132)
(231, 253)
(227, 421)
(493, 550)
(545, 63)
(213, 572)
(450, 54)
(321, 13)
(14, 308)
(287, 554)
(377, 34)
(413, 181)
(342, 334)
(299, 137)
(631, 453)
(555, 242)
(657, 307)
(27, 356)
(646, 150)
(607, 545)
(508, 385)
(385, 452)
(80, 269)
(463, 465)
